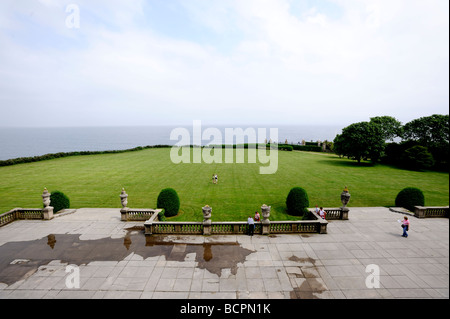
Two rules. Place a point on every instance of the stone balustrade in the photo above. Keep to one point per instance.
(316, 225)
(29, 213)
(21, 213)
(136, 214)
(431, 211)
(340, 213)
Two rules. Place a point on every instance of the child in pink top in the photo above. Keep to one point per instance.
(405, 226)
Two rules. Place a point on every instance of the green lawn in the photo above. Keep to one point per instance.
(97, 180)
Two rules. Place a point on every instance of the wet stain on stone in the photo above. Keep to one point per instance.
(310, 286)
(70, 249)
(302, 260)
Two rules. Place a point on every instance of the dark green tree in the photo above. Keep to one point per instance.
(431, 132)
(360, 141)
(390, 126)
(418, 158)
(428, 131)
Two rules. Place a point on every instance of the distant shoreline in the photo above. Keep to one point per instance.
(30, 142)
(49, 156)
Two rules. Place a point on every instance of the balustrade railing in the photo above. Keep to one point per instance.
(20, 213)
(153, 226)
(138, 214)
(431, 211)
(336, 213)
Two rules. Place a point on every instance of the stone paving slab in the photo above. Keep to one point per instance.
(327, 266)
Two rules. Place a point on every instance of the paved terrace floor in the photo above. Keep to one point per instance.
(115, 260)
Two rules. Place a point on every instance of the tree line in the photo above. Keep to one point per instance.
(420, 144)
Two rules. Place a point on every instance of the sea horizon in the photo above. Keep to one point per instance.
(18, 142)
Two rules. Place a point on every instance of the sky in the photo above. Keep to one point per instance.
(267, 62)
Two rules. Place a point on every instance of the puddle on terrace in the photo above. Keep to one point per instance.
(19, 260)
(311, 288)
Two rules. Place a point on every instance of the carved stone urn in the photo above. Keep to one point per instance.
(48, 210)
(46, 198)
(265, 211)
(124, 209)
(207, 220)
(206, 215)
(124, 199)
(345, 197)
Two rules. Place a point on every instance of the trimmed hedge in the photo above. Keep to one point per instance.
(307, 148)
(410, 197)
(59, 201)
(31, 159)
(297, 202)
(285, 147)
(168, 200)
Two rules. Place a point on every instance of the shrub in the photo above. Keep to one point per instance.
(297, 202)
(168, 200)
(307, 148)
(285, 147)
(418, 157)
(410, 197)
(161, 216)
(59, 201)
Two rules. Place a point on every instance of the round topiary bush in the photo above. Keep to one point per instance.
(169, 200)
(297, 202)
(410, 197)
(59, 201)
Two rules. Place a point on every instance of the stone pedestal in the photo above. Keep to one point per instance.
(323, 226)
(207, 220)
(265, 224)
(47, 212)
(344, 213)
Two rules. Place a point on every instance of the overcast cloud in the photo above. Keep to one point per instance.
(223, 62)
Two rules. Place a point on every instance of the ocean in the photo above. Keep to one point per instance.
(23, 142)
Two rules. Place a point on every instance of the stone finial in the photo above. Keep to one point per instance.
(345, 197)
(48, 210)
(123, 199)
(46, 197)
(265, 211)
(206, 214)
(207, 220)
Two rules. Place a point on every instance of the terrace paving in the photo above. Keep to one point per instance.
(116, 260)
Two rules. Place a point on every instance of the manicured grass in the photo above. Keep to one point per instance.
(97, 180)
